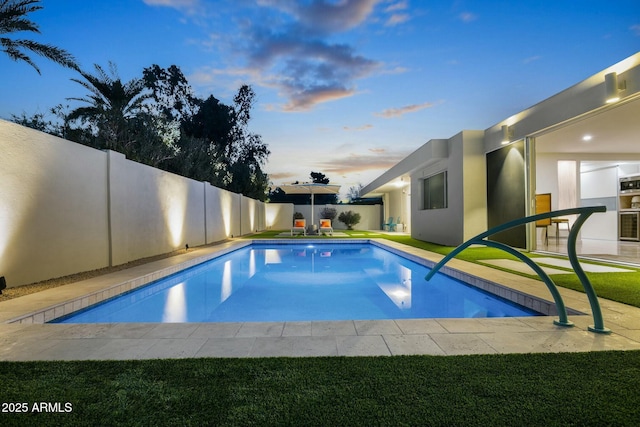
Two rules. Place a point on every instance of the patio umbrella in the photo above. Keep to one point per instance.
(311, 188)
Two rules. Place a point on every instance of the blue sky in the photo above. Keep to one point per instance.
(344, 87)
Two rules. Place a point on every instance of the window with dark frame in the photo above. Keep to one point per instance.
(434, 191)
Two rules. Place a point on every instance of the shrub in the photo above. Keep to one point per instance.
(329, 213)
(349, 218)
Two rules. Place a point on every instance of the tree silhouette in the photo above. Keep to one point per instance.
(319, 178)
(13, 20)
(118, 118)
(110, 105)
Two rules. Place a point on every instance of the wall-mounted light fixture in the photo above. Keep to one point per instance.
(507, 134)
(612, 87)
(400, 183)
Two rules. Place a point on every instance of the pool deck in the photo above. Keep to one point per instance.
(24, 335)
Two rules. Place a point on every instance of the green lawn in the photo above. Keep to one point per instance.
(621, 287)
(579, 389)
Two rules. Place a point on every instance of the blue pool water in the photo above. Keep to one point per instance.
(300, 282)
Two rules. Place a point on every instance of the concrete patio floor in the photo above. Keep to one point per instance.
(35, 340)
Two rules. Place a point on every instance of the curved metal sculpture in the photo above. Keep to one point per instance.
(583, 213)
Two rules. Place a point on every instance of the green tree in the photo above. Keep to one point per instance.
(13, 19)
(329, 213)
(249, 153)
(118, 117)
(349, 218)
(38, 121)
(354, 192)
(207, 132)
(158, 121)
(234, 156)
(172, 95)
(57, 126)
(110, 104)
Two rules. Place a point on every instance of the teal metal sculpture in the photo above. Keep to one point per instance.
(583, 214)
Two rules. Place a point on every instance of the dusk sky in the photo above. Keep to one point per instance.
(344, 87)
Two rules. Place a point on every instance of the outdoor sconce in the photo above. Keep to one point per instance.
(612, 87)
(507, 134)
(3, 284)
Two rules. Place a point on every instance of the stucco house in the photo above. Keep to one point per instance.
(578, 145)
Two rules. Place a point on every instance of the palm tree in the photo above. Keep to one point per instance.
(112, 106)
(12, 20)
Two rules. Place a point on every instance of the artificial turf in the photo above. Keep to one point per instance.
(569, 389)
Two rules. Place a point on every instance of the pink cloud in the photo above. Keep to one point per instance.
(398, 112)
(326, 16)
(358, 128)
(355, 163)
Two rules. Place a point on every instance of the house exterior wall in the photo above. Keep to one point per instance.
(465, 160)
(443, 226)
(396, 206)
(474, 178)
(465, 215)
(507, 192)
(66, 208)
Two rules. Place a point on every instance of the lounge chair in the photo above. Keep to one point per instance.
(390, 225)
(325, 226)
(299, 225)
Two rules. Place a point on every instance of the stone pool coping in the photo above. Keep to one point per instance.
(22, 320)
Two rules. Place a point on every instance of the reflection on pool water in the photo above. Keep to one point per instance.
(299, 282)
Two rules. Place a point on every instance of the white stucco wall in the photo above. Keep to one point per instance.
(600, 184)
(369, 215)
(466, 213)
(152, 211)
(252, 215)
(53, 212)
(547, 177)
(219, 222)
(396, 206)
(434, 225)
(474, 177)
(279, 216)
(66, 208)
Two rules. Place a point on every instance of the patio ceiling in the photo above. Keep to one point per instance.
(615, 135)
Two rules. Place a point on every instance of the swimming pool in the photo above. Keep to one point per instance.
(300, 282)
